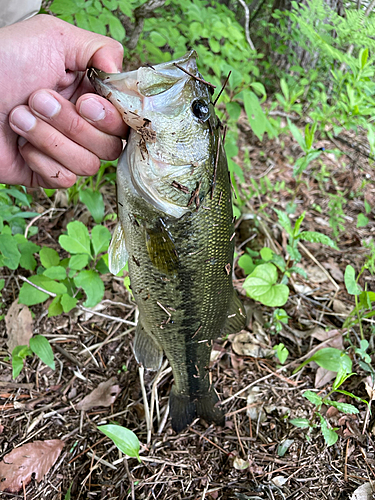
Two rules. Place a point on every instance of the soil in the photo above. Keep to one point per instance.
(258, 454)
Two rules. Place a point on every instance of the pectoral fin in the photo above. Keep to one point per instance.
(161, 249)
(117, 253)
(146, 350)
(236, 319)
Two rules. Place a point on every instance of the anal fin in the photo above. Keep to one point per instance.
(236, 319)
(117, 253)
(147, 351)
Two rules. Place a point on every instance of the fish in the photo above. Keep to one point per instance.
(175, 227)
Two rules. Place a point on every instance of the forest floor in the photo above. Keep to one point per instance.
(242, 460)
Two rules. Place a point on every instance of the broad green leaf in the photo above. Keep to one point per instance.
(266, 254)
(313, 398)
(362, 220)
(78, 239)
(49, 257)
(246, 263)
(297, 135)
(42, 348)
(27, 250)
(352, 286)
(55, 308)
(55, 273)
(302, 423)
(260, 285)
(234, 110)
(92, 285)
(125, 439)
(315, 237)
(94, 202)
(48, 284)
(68, 302)
(255, 114)
(78, 261)
(19, 195)
(64, 7)
(19, 354)
(282, 353)
(82, 21)
(9, 251)
(30, 296)
(344, 407)
(329, 435)
(100, 237)
(331, 359)
(284, 447)
(116, 28)
(2, 283)
(157, 39)
(259, 88)
(97, 25)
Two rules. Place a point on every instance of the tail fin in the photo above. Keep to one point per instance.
(184, 409)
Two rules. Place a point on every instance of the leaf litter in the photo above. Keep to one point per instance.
(19, 325)
(199, 462)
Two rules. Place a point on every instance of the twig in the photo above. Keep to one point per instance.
(140, 14)
(40, 216)
(194, 76)
(145, 402)
(309, 254)
(238, 435)
(209, 440)
(247, 23)
(130, 477)
(51, 294)
(222, 88)
(113, 318)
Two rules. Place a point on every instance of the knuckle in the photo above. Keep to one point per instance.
(75, 126)
(91, 166)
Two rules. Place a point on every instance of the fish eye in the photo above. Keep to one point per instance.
(201, 110)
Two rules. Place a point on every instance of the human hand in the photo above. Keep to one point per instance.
(43, 62)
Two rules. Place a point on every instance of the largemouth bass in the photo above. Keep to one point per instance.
(175, 226)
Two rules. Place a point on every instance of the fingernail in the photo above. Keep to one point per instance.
(45, 104)
(23, 119)
(21, 141)
(92, 109)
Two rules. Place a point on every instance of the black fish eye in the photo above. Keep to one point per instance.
(201, 110)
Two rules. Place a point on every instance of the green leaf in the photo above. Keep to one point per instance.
(260, 285)
(157, 39)
(49, 257)
(100, 237)
(2, 283)
(55, 307)
(284, 221)
(30, 296)
(27, 249)
(297, 135)
(64, 7)
(19, 354)
(344, 407)
(266, 254)
(315, 237)
(116, 29)
(78, 261)
(92, 285)
(362, 220)
(68, 302)
(125, 439)
(246, 263)
(259, 88)
(97, 25)
(94, 202)
(42, 348)
(313, 398)
(329, 435)
(331, 359)
(82, 21)
(257, 119)
(352, 286)
(284, 447)
(302, 423)
(9, 251)
(55, 273)
(282, 353)
(78, 239)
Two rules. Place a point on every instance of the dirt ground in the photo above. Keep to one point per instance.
(241, 460)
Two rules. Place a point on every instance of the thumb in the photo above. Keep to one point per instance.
(83, 49)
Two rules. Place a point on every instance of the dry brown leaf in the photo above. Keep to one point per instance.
(19, 325)
(36, 458)
(322, 335)
(370, 387)
(104, 395)
(334, 270)
(341, 308)
(246, 344)
(364, 492)
(322, 377)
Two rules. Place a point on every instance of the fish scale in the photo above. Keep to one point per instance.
(179, 248)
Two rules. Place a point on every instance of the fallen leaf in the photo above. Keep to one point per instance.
(255, 397)
(315, 274)
(341, 308)
(363, 492)
(334, 270)
(323, 376)
(104, 395)
(19, 325)
(279, 480)
(240, 464)
(370, 387)
(246, 344)
(21, 463)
